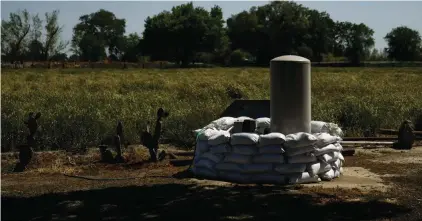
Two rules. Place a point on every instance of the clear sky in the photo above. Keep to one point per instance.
(380, 16)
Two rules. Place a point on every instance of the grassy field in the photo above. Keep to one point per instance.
(90, 102)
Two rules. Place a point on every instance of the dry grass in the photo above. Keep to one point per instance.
(89, 102)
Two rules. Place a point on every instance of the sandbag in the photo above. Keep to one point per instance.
(216, 158)
(330, 157)
(258, 168)
(222, 148)
(223, 123)
(229, 167)
(271, 139)
(336, 173)
(262, 123)
(324, 127)
(302, 159)
(202, 147)
(290, 168)
(268, 158)
(299, 150)
(317, 168)
(300, 139)
(245, 149)
(324, 139)
(341, 170)
(302, 178)
(336, 164)
(327, 176)
(235, 177)
(199, 171)
(243, 118)
(273, 149)
(268, 178)
(205, 163)
(319, 127)
(244, 139)
(328, 149)
(219, 138)
(324, 167)
(237, 158)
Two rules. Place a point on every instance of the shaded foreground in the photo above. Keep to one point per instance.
(169, 193)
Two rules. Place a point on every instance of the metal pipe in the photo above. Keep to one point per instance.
(290, 95)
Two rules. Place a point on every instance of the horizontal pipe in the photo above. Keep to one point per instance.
(395, 132)
(369, 138)
(368, 142)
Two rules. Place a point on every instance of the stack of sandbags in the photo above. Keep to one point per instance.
(298, 151)
(270, 154)
(330, 160)
(210, 147)
(237, 165)
(223, 123)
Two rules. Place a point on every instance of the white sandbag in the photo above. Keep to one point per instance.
(340, 156)
(336, 164)
(199, 171)
(258, 168)
(302, 178)
(302, 159)
(207, 133)
(268, 178)
(237, 158)
(330, 157)
(324, 127)
(328, 149)
(274, 149)
(245, 149)
(324, 167)
(216, 158)
(317, 168)
(244, 139)
(313, 168)
(223, 123)
(201, 147)
(222, 148)
(300, 139)
(271, 139)
(229, 167)
(219, 138)
(262, 123)
(299, 150)
(327, 176)
(243, 118)
(290, 168)
(337, 173)
(235, 177)
(319, 127)
(205, 163)
(324, 139)
(268, 158)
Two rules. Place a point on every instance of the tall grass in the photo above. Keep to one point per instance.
(90, 102)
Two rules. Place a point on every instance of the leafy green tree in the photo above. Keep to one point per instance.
(353, 40)
(52, 45)
(404, 44)
(97, 32)
(15, 35)
(178, 35)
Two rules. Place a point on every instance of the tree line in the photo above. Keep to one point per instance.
(187, 34)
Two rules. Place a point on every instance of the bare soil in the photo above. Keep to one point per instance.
(376, 185)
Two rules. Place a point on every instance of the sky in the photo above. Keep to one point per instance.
(381, 16)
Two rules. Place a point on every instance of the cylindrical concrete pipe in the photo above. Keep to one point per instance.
(290, 94)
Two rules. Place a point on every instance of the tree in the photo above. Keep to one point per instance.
(130, 49)
(183, 32)
(97, 32)
(35, 49)
(404, 44)
(14, 35)
(353, 40)
(52, 45)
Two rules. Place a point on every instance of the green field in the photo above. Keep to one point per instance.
(91, 101)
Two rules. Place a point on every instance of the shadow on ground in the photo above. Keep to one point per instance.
(192, 202)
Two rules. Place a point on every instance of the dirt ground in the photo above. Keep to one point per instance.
(377, 184)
